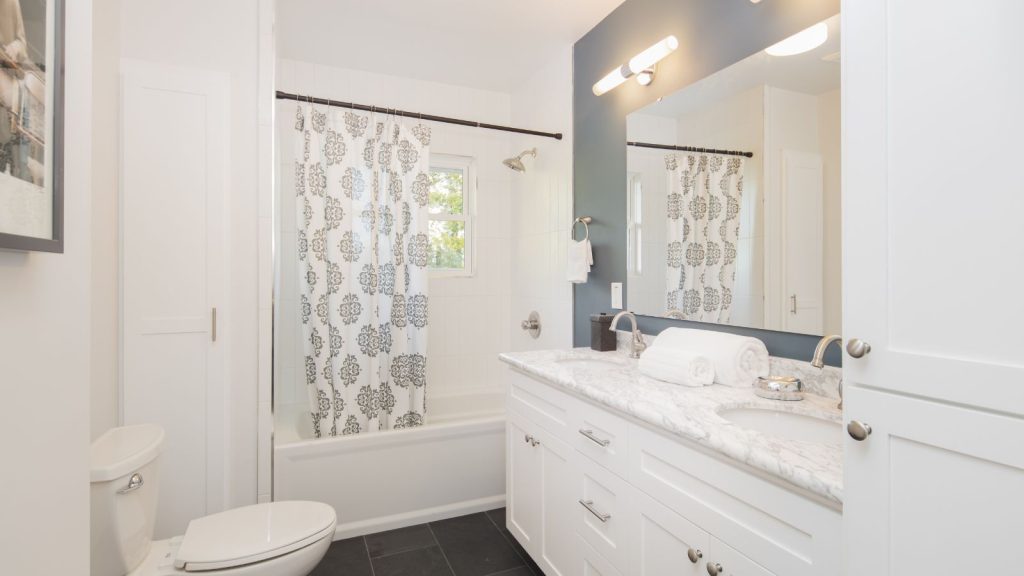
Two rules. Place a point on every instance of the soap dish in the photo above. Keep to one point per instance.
(779, 388)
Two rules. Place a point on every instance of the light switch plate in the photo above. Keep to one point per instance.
(617, 295)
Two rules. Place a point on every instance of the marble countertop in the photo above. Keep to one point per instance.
(613, 380)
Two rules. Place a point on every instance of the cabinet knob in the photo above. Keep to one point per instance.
(714, 568)
(857, 348)
(694, 555)
(858, 430)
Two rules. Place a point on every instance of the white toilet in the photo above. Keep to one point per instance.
(274, 539)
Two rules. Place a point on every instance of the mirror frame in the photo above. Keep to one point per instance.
(712, 36)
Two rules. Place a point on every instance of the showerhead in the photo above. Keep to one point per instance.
(516, 163)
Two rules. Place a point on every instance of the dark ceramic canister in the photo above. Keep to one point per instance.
(602, 338)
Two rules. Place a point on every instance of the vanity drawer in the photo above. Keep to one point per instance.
(600, 435)
(590, 563)
(540, 403)
(604, 511)
(775, 527)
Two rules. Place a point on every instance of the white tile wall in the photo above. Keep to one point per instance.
(541, 211)
(468, 315)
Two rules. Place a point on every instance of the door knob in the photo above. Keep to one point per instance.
(694, 555)
(714, 568)
(857, 348)
(858, 430)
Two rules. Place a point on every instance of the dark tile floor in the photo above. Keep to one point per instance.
(473, 545)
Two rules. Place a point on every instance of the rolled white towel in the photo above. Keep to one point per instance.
(738, 360)
(677, 367)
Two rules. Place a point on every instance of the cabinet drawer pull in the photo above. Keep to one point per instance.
(694, 554)
(532, 441)
(714, 569)
(599, 441)
(589, 505)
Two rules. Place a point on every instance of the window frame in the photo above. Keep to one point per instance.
(634, 223)
(467, 165)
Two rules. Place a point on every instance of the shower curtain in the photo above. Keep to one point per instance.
(703, 230)
(362, 184)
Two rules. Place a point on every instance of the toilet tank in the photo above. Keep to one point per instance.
(123, 484)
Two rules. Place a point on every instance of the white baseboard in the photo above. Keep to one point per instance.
(374, 525)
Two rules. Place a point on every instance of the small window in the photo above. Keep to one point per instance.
(635, 224)
(452, 183)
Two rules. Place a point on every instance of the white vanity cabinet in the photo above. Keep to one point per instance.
(592, 491)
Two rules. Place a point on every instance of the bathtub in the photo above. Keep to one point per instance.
(453, 465)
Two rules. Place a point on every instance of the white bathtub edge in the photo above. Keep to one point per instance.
(373, 525)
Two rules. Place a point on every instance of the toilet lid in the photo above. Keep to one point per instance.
(252, 534)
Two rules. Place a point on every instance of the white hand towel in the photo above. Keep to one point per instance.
(677, 367)
(578, 261)
(738, 360)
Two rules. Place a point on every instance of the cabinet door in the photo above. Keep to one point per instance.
(932, 240)
(724, 560)
(554, 551)
(935, 489)
(590, 562)
(666, 541)
(523, 482)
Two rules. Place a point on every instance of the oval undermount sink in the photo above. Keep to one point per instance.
(785, 424)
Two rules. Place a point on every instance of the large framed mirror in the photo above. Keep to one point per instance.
(733, 193)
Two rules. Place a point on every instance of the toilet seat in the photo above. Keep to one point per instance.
(252, 534)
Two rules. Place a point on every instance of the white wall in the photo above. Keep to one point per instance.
(467, 314)
(645, 292)
(45, 315)
(106, 91)
(829, 138)
(541, 207)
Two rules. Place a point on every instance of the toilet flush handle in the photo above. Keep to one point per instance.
(134, 483)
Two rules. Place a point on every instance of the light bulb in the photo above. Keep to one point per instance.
(611, 80)
(800, 42)
(653, 55)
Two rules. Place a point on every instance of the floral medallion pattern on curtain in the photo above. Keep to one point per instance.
(705, 193)
(362, 185)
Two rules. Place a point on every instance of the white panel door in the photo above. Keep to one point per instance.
(555, 554)
(933, 244)
(173, 189)
(932, 279)
(523, 482)
(935, 488)
(802, 198)
(666, 543)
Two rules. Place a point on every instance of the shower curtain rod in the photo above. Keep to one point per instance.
(420, 116)
(691, 149)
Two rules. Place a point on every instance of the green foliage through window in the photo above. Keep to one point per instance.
(447, 224)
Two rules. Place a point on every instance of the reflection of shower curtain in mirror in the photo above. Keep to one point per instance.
(362, 186)
(704, 197)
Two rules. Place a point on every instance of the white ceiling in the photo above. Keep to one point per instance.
(486, 44)
(808, 73)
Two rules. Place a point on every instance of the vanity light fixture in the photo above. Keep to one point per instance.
(803, 41)
(643, 63)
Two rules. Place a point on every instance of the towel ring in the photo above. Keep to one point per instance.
(585, 220)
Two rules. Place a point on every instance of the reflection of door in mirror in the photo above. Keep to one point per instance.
(777, 119)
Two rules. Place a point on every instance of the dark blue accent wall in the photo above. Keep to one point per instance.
(713, 34)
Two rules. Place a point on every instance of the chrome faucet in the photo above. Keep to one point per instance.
(638, 344)
(819, 359)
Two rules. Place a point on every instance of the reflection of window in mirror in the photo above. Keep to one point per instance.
(635, 218)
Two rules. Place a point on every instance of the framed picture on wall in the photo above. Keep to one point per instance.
(31, 125)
